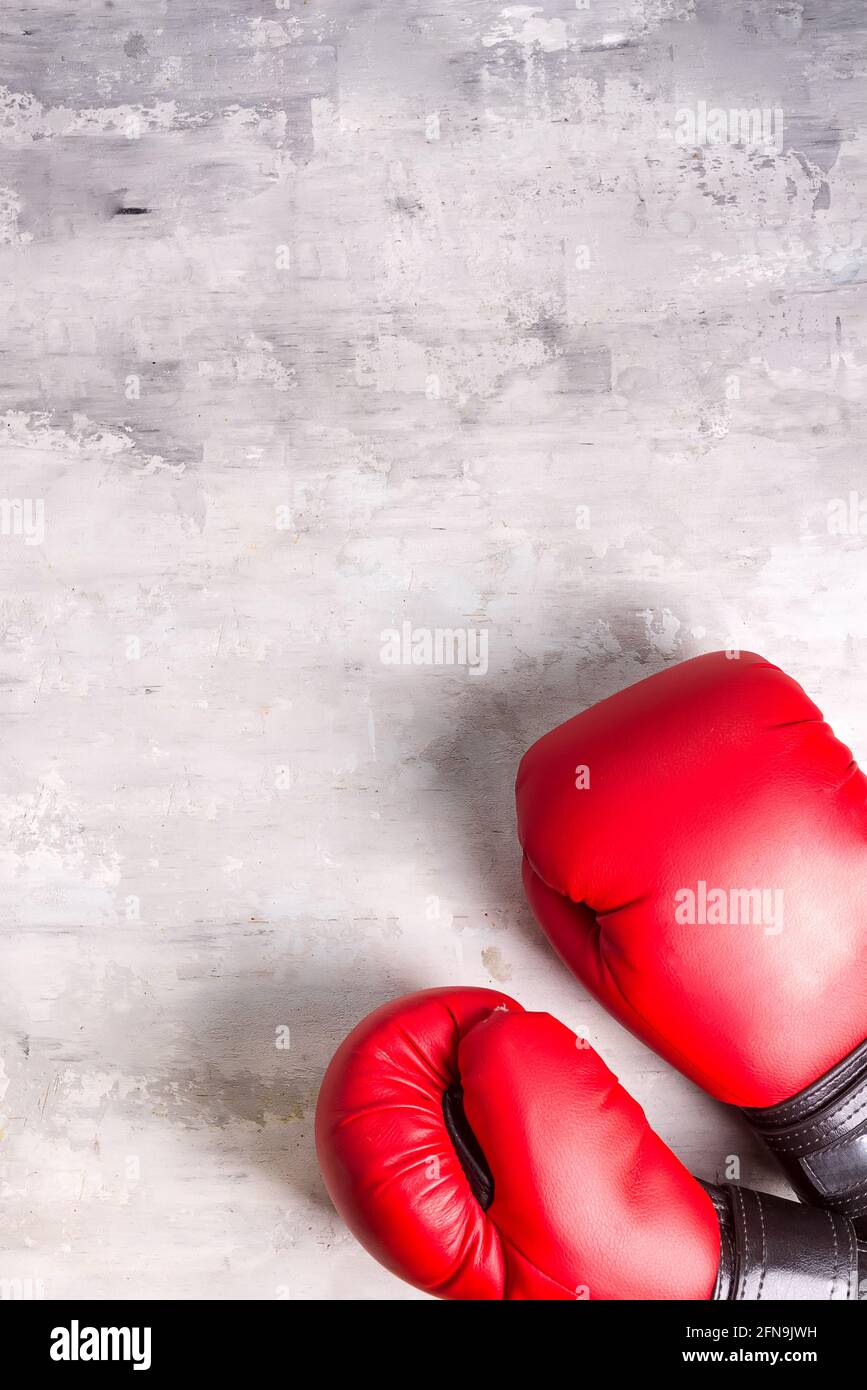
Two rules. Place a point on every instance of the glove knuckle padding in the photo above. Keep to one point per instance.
(587, 1200)
(719, 771)
(388, 1162)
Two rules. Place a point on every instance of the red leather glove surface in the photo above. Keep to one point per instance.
(716, 778)
(586, 1200)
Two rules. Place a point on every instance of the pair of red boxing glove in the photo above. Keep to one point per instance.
(695, 847)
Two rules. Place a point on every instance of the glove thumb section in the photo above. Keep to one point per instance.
(588, 1201)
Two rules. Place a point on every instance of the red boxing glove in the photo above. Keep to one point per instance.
(696, 849)
(481, 1152)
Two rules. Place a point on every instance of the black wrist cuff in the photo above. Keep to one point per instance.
(774, 1249)
(820, 1137)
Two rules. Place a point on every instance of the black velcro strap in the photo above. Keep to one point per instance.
(774, 1249)
(820, 1137)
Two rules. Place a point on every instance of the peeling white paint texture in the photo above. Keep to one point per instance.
(428, 318)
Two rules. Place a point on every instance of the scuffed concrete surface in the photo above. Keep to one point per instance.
(426, 315)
